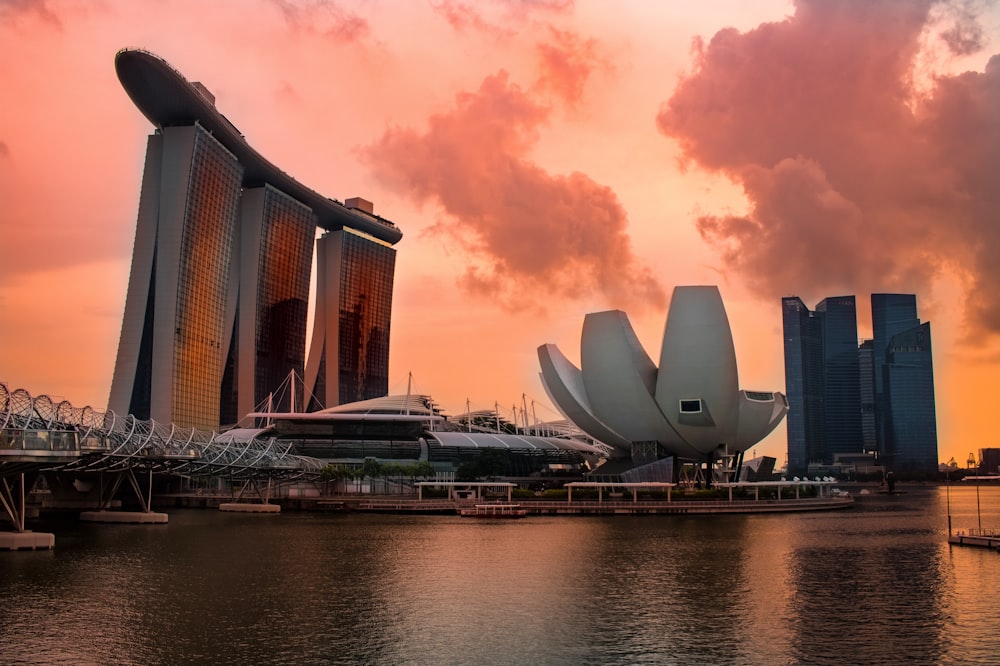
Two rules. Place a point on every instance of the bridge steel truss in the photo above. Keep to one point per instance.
(38, 435)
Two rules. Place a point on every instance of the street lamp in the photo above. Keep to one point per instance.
(947, 476)
(979, 515)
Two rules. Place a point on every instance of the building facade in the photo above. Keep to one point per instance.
(349, 352)
(907, 405)
(847, 398)
(170, 363)
(217, 302)
(803, 345)
(841, 376)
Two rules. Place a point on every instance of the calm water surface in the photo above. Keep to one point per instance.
(876, 584)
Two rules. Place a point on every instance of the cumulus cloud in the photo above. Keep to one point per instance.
(855, 183)
(12, 9)
(566, 63)
(463, 16)
(490, 18)
(963, 34)
(323, 17)
(527, 232)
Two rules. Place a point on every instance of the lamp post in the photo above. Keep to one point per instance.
(947, 476)
(971, 462)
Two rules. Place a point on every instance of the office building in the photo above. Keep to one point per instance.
(905, 412)
(803, 345)
(841, 376)
(217, 301)
(846, 398)
(866, 377)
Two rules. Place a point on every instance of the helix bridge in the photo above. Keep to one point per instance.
(39, 435)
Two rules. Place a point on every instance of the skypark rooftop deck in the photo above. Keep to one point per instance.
(167, 99)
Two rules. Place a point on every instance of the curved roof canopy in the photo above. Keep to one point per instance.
(691, 405)
(167, 99)
(485, 440)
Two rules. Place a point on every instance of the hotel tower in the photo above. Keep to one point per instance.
(217, 300)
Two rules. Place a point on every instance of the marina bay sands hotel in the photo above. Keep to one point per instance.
(217, 301)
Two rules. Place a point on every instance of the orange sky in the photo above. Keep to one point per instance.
(544, 159)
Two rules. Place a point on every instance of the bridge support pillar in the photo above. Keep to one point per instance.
(12, 500)
(145, 517)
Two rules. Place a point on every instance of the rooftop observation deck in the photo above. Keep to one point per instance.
(167, 99)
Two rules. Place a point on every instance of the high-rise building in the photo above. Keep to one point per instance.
(867, 379)
(349, 353)
(841, 377)
(905, 412)
(217, 301)
(803, 345)
(821, 380)
(847, 398)
(170, 362)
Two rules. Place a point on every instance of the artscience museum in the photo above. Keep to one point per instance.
(655, 417)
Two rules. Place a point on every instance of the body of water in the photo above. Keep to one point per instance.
(874, 584)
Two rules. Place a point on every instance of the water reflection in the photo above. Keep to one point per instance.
(875, 584)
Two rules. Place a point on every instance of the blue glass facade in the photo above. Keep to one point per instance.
(867, 379)
(891, 314)
(906, 409)
(841, 377)
(803, 383)
(846, 398)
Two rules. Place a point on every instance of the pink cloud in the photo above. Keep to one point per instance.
(13, 9)
(566, 64)
(324, 17)
(490, 17)
(529, 235)
(462, 16)
(854, 182)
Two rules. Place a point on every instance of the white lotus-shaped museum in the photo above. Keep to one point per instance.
(691, 405)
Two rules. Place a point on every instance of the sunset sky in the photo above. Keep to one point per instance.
(544, 159)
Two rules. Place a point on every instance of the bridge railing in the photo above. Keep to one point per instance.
(15, 439)
(108, 440)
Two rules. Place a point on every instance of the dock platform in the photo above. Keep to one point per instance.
(249, 507)
(977, 538)
(610, 507)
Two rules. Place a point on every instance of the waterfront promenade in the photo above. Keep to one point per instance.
(587, 507)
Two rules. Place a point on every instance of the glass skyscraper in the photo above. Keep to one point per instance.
(215, 314)
(841, 377)
(846, 398)
(905, 412)
(821, 380)
(349, 354)
(169, 365)
(803, 343)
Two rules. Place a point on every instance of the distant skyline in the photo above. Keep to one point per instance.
(544, 160)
